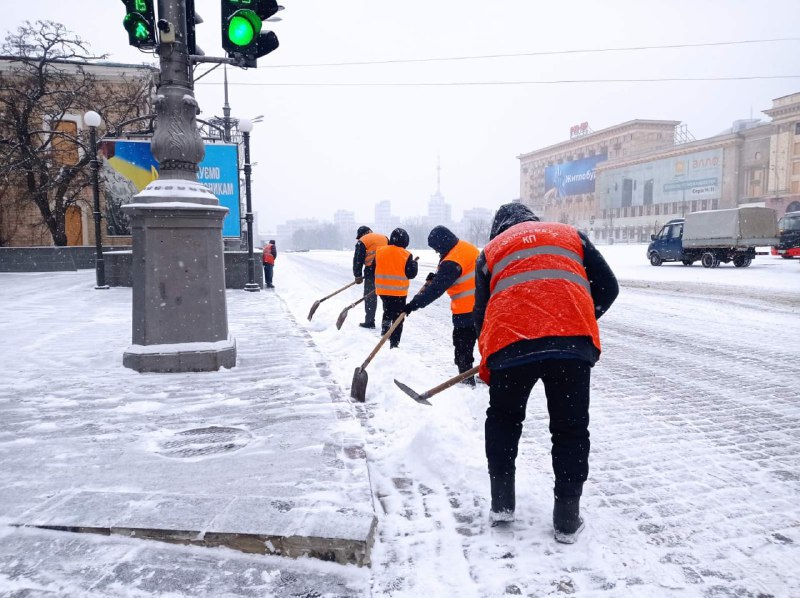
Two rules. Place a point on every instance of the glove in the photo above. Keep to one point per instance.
(359, 279)
(416, 259)
(409, 308)
(430, 276)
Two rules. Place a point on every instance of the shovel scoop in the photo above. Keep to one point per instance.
(358, 388)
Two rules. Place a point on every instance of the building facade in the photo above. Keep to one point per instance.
(61, 142)
(783, 174)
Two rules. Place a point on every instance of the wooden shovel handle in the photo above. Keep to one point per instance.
(448, 383)
(377, 348)
(354, 303)
(347, 286)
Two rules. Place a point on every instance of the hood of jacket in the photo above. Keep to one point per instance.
(510, 214)
(442, 240)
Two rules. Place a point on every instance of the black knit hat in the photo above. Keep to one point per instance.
(362, 230)
(399, 238)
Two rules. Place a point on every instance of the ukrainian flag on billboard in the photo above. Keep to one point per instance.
(219, 171)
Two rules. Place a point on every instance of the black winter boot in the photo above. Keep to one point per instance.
(503, 499)
(567, 521)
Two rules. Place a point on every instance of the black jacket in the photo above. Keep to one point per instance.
(604, 290)
(359, 269)
(442, 240)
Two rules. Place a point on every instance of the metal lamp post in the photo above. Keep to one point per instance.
(246, 126)
(93, 120)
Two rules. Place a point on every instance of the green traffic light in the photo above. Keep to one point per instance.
(243, 27)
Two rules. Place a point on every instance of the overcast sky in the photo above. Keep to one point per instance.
(332, 146)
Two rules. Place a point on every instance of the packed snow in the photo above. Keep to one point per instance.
(694, 471)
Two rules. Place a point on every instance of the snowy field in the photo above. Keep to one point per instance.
(694, 484)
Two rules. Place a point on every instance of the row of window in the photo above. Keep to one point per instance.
(675, 207)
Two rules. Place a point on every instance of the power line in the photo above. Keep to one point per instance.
(477, 83)
(540, 53)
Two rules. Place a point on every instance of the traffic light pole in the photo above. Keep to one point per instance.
(179, 308)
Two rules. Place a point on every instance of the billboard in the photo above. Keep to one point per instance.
(128, 167)
(571, 178)
(691, 176)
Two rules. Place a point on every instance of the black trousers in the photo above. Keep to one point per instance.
(566, 386)
(371, 302)
(464, 339)
(392, 308)
(268, 274)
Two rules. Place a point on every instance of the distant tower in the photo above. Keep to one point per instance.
(439, 211)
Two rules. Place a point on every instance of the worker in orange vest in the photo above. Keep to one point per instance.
(268, 258)
(364, 269)
(539, 289)
(456, 276)
(394, 266)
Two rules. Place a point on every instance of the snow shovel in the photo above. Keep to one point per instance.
(318, 301)
(358, 389)
(423, 398)
(343, 316)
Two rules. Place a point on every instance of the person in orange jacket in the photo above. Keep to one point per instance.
(456, 276)
(268, 258)
(364, 269)
(539, 289)
(394, 266)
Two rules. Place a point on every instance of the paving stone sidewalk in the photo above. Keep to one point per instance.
(266, 457)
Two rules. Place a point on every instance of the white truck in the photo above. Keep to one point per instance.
(715, 236)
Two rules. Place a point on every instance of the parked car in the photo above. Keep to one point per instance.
(789, 236)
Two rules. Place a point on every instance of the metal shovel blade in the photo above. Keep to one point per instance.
(342, 317)
(358, 389)
(410, 392)
(313, 309)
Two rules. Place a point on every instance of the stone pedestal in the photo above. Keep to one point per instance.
(180, 320)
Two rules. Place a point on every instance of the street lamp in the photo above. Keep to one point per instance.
(245, 126)
(93, 120)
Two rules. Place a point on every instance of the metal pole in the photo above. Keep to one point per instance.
(251, 265)
(99, 263)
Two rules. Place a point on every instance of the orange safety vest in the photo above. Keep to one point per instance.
(462, 291)
(268, 258)
(390, 271)
(372, 241)
(539, 287)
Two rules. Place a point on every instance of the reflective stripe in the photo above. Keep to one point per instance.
(372, 252)
(465, 278)
(390, 277)
(462, 294)
(541, 275)
(388, 287)
(542, 250)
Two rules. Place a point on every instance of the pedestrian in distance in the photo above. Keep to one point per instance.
(268, 258)
(540, 288)
(394, 266)
(364, 269)
(456, 276)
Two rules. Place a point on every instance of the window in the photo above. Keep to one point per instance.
(65, 151)
(648, 192)
(797, 149)
(758, 155)
(796, 168)
(795, 186)
(694, 205)
(797, 128)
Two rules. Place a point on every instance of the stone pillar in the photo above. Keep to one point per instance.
(180, 321)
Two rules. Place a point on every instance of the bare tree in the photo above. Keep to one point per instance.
(48, 81)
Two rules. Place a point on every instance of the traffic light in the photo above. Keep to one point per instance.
(242, 34)
(140, 23)
(192, 19)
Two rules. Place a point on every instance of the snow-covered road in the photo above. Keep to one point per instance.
(695, 475)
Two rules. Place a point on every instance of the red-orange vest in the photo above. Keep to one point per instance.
(538, 287)
(462, 291)
(390, 271)
(268, 258)
(372, 241)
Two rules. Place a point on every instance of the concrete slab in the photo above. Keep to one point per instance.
(266, 457)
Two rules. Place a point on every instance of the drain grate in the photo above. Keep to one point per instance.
(204, 442)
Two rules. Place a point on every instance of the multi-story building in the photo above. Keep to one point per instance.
(475, 226)
(783, 175)
(345, 223)
(558, 182)
(72, 87)
(384, 222)
(439, 211)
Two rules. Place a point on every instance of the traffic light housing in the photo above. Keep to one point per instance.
(140, 23)
(243, 36)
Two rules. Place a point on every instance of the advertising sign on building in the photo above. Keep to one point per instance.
(129, 167)
(571, 178)
(692, 176)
